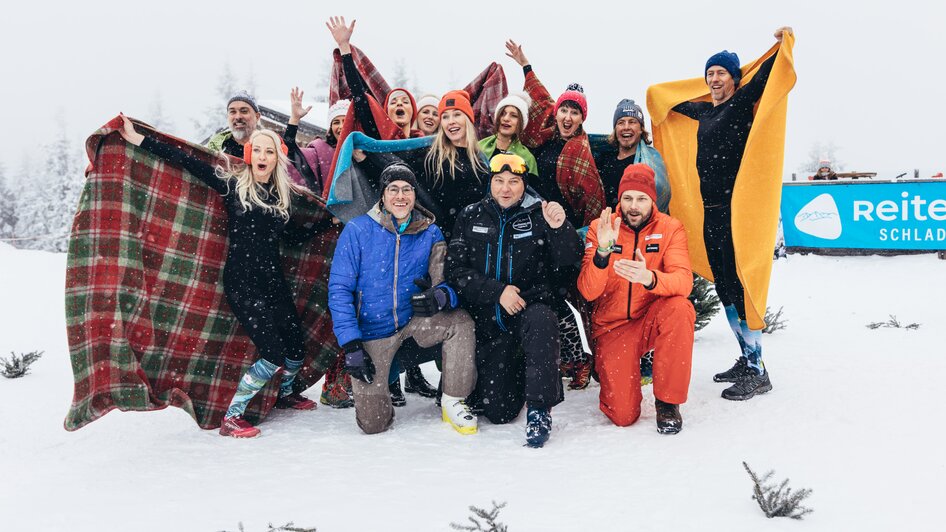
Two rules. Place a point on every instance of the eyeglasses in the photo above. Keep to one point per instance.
(511, 162)
(393, 190)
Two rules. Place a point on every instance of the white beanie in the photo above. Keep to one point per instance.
(428, 99)
(339, 108)
(519, 100)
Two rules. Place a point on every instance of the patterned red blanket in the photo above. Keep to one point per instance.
(148, 323)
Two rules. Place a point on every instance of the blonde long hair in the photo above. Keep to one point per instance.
(252, 194)
(443, 153)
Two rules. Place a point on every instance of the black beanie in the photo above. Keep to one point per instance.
(397, 172)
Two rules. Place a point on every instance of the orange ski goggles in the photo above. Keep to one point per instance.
(511, 162)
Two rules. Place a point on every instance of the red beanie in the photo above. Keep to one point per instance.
(387, 100)
(459, 100)
(639, 177)
(574, 93)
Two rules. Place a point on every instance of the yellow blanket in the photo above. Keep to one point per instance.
(755, 203)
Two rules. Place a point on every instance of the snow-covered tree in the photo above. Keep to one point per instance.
(8, 213)
(156, 115)
(46, 204)
(821, 151)
(215, 115)
(400, 79)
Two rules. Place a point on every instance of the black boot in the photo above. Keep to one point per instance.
(415, 382)
(397, 396)
(736, 373)
(668, 417)
(751, 385)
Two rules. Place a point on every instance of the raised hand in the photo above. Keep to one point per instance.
(515, 52)
(298, 111)
(634, 270)
(782, 31)
(553, 213)
(608, 231)
(511, 301)
(341, 33)
(128, 132)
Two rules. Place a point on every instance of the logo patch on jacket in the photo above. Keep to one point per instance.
(652, 248)
(523, 224)
(521, 235)
(654, 236)
(480, 229)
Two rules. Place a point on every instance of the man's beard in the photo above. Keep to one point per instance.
(240, 134)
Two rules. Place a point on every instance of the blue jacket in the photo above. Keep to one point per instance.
(373, 272)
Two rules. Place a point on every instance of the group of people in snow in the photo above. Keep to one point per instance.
(480, 253)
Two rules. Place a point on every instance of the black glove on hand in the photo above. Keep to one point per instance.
(357, 362)
(430, 301)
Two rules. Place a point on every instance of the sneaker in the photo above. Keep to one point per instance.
(736, 373)
(538, 426)
(581, 375)
(457, 414)
(335, 395)
(750, 386)
(295, 401)
(414, 382)
(238, 427)
(397, 396)
(668, 417)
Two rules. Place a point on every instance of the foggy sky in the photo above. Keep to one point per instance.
(869, 73)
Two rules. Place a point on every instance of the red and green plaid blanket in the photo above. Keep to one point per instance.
(147, 321)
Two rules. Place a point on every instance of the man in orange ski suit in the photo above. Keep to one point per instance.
(636, 272)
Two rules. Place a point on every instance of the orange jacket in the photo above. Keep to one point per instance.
(663, 242)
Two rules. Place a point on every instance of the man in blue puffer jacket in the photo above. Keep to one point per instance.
(386, 285)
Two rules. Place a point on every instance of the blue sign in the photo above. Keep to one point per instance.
(865, 215)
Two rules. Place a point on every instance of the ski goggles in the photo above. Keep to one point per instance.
(502, 162)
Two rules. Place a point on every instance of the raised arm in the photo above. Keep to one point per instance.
(342, 35)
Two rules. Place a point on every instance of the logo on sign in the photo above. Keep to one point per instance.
(820, 218)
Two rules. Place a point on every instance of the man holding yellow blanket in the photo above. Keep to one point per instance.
(737, 131)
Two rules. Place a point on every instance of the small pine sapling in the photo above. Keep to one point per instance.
(288, 527)
(488, 517)
(774, 321)
(18, 366)
(778, 501)
(892, 323)
(705, 301)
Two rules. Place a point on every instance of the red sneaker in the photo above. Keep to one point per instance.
(238, 427)
(295, 401)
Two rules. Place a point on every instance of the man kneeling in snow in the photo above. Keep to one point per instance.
(636, 271)
(502, 256)
(386, 285)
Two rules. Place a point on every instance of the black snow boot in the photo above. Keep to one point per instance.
(397, 396)
(668, 417)
(736, 373)
(415, 382)
(751, 385)
(538, 426)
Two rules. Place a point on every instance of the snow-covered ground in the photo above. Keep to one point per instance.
(856, 415)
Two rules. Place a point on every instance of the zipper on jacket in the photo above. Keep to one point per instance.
(499, 268)
(397, 252)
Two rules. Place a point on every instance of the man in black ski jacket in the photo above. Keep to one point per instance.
(501, 260)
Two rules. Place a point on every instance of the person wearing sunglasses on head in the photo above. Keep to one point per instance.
(387, 285)
(503, 251)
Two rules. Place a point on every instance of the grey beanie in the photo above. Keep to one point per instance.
(244, 96)
(628, 108)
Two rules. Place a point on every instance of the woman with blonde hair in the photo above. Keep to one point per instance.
(257, 197)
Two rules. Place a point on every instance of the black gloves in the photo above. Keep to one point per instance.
(431, 300)
(357, 362)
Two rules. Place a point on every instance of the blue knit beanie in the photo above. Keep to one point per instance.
(627, 107)
(727, 60)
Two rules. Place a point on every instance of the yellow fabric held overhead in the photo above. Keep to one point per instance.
(758, 191)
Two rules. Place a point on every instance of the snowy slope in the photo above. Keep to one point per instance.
(855, 414)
